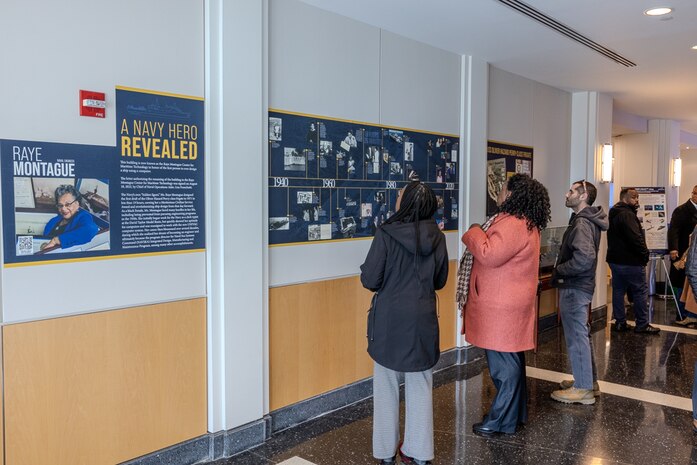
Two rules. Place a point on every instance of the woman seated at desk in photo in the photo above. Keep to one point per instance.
(73, 225)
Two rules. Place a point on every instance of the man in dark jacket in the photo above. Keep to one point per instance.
(627, 256)
(682, 223)
(574, 275)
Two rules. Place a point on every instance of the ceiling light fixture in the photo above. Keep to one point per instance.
(660, 11)
(694, 47)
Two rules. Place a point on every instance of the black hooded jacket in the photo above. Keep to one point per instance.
(626, 244)
(403, 324)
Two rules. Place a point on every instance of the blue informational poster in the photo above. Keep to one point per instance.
(146, 195)
(338, 180)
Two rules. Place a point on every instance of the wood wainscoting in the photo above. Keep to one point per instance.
(105, 387)
(317, 336)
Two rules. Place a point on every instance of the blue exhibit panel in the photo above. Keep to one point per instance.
(339, 180)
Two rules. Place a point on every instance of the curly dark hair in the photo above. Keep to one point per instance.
(528, 200)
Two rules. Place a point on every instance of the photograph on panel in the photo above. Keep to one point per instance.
(61, 215)
(311, 137)
(408, 151)
(279, 223)
(347, 225)
(372, 159)
(293, 160)
(495, 177)
(349, 142)
(275, 129)
(523, 166)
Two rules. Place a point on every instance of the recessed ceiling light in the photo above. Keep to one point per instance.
(694, 47)
(660, 11)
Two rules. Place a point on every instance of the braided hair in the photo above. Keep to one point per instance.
(528, 200)
(418, 203)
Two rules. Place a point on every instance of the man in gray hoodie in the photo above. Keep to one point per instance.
(574, 275)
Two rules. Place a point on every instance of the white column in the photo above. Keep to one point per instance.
(236, 207)
(665, 145)
(591, 127)
(473, 139)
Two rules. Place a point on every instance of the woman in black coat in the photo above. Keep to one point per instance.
(406, 264)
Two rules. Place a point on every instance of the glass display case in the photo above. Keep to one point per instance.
(550, 243)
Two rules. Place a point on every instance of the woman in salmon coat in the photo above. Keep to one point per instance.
(500, 297)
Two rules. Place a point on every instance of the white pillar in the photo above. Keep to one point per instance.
(591, 127)
(473, 139)
(236, 114)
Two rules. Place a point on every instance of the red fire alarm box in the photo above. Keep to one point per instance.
(92, 104)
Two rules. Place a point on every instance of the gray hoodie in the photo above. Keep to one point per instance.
(578, 255)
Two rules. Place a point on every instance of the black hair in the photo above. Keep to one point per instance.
(589, 189)
(418, 203)
(66, 189)
(528, 199)
(625, 192)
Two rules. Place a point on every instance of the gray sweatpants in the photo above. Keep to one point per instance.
(418, 430)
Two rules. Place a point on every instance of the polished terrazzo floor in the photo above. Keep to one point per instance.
(642, 417)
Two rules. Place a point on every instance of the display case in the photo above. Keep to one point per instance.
(550, 243)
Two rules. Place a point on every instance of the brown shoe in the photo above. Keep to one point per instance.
(574, 396)
(567, 383)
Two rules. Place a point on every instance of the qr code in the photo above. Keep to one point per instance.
(25, 245)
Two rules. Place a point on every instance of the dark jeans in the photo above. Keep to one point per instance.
(632, 278)
(510, 405)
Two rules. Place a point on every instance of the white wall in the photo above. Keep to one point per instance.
(689, 173)
(525, 112)
(324, 64)
(155, 45)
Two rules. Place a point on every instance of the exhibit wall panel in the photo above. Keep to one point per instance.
(60, 53)
(419, 85)
(105, 387)
(317, 334)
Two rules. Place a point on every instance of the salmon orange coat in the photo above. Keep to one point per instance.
(500, 311)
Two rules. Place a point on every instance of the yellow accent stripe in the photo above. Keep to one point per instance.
(512, 145)
(337, 240)
(155, 92)
(109, 257)
(286, 112)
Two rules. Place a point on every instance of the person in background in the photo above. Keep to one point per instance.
(73, 225)
(682, 223)
(627, 255)
(497, 289)
(574, 276)
(691, 274)
(407, 262)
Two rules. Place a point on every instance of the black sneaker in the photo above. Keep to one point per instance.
(390, 461)
(648, 329)
(620, 327)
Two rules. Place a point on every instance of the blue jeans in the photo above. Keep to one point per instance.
(573, 306)
(633, 278)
